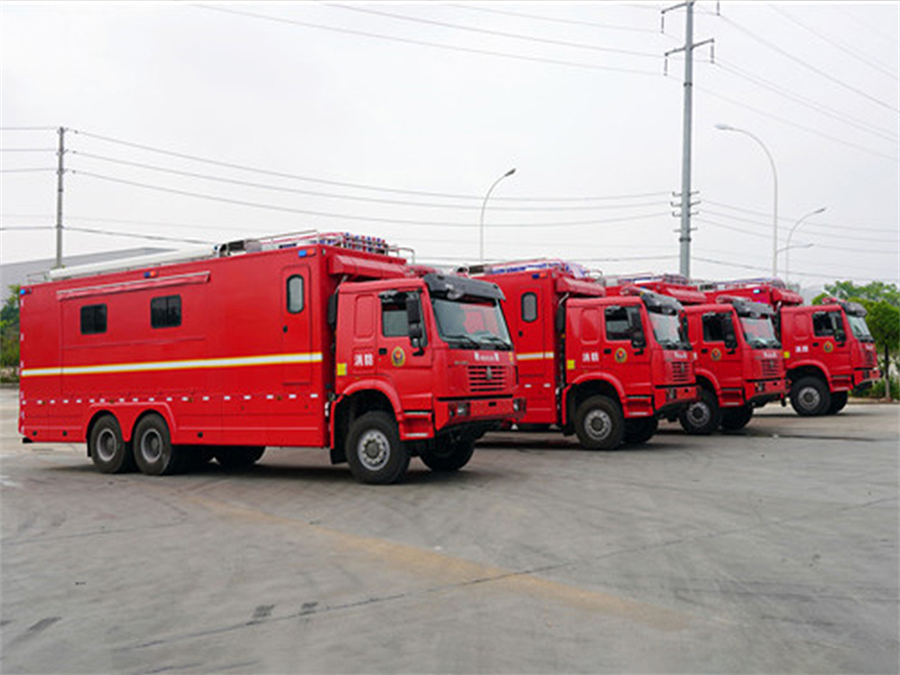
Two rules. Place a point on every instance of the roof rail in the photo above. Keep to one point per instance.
(572, 268)
(647, 278)
(344, 240)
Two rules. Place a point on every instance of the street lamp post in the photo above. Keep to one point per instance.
(727, 127)
(481, 222)
(787, 249)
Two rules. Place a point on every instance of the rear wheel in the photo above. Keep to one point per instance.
(734, 419)
(810, 397)
(374, 451)
(640, 430)
(448, 454)
(838, 401)
(702, 417)
(153, 450)
(237, 456)
(599, 423)
(109, 452)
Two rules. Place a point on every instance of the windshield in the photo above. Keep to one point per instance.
(668, 329)
(859, 328)
(759, 332)
(471, 324)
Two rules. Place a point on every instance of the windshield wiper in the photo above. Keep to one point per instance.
(494, 340)
(464, 339)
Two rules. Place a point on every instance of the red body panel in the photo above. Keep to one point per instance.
(243, 365)
(554, 364)
(809, 344)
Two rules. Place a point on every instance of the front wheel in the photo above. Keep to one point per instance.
(374, 451)
(445, 454)
(810, 397)
(702, 417)
(599, 423)
(734, 419)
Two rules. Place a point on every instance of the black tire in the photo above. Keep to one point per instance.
(810, 397)
(599, 424)
(640, 430)
(237, 456)
(838, 401)
(153, 450)
(447, 454)
(109, 452)
(374, 451)
(196, 457)
(735, 419)
(702, 417)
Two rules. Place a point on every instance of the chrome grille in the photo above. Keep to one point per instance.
(487, 378)
(770, 367)
(681, 372)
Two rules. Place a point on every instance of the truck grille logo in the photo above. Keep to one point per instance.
(488, 374)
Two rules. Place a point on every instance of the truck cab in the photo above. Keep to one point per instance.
(739, 364)
(434, 353)
(828, 349)
(604, 368)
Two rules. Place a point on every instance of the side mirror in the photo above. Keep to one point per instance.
(561, 319)
(414, 319)
(331, 309)
(636, 329)
(730, 338)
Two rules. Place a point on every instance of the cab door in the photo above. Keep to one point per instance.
(829, 342)
(718, 353)
(626, 348)
(406, 368)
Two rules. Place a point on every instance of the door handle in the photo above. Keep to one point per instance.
(704, 351)
(607, 351)
(284, 329)
(382, 351)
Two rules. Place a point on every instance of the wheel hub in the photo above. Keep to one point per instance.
(151, 446)
(374, 450)
(106, 445)
(809, 398)
(598, 424)
(699, 414)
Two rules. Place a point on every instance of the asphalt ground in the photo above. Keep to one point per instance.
(772, 550)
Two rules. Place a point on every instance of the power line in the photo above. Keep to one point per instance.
(814, 69)
(497, 33)
(811, 224)
(762, 224)
(834, 43)
(357, 186)
(397, 221)
(830, 274)
(28, 150)
(422, 43)
(809, 103)
(570, 22)
(24, 170)
(268, 186)
(154, 237)
(28, 128)
(794, 124)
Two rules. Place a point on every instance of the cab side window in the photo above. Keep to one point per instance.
(619, 321)
(823, 324)
(394, 322)
(714, 328)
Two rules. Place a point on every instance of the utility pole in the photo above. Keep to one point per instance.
(59, 197)
(686, 204)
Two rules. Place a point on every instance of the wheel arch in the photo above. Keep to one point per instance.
(582, 391)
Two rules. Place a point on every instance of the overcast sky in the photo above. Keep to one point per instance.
(214, 122)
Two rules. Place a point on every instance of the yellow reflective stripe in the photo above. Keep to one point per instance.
(537, 356)
(192, 364)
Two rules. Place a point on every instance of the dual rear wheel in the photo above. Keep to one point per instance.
(151, 449)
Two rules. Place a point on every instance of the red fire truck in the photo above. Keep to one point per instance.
(603, 368)
(739, 361)
(306, 340)
(828, 348)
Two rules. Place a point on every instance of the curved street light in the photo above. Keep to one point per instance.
(481, 222)
(787, 248)
(727, 127)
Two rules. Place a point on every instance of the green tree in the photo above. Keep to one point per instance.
(9, 330)
(883, 320)
(876, 291)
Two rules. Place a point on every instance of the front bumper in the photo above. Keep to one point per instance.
(759, 392)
